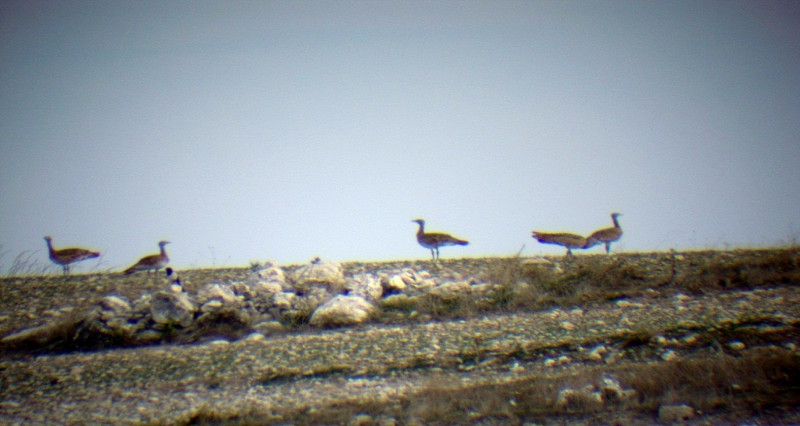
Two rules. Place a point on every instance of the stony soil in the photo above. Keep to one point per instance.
(395, 371)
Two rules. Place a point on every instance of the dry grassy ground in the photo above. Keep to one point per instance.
(596, 339)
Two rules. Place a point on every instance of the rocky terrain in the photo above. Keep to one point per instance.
(635, 338)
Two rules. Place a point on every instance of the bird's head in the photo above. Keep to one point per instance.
(616, 215)
(421, 222)
(48, 238)
(163, 243)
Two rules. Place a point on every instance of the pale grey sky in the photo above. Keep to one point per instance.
(286, 130)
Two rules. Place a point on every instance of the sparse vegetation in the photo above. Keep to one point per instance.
(25, 263)
(718, 331)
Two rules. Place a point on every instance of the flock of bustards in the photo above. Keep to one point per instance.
(434, 240)
(429, 240)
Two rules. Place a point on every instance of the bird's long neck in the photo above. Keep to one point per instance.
(163, 252)
(421, 230)
(616, 224)
(50, 247)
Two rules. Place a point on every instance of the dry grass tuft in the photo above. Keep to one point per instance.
(728, 271)
(760, 379)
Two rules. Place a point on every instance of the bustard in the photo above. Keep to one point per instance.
(154, 262)
(434, 240)
(565, 239)
(65, 257)
(606, 235)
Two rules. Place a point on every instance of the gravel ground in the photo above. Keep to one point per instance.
(276, 377)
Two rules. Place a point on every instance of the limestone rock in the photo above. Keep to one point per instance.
(268, 287)
(675, 413)
(271, 272)
(116, 305)
(268, 278)
(366, 286)
(319, 273)
(342, 310)
(223, 293)
(394, 284)
(40, 334)
(451, 290)
(167, 307)
(283, 300)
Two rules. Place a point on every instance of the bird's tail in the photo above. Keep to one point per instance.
(130, 270)
(460, 242)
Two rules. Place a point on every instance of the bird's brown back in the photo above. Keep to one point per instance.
(565, 239)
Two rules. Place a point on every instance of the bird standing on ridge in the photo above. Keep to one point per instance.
(606, 235)
(565, 239)
(154, 262)
(434, 240)
(65, 257)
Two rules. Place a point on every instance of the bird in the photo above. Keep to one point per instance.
(65, 257)
(606, 235)
(174, 281)
(434, 240)
(565, 239)
(153, 262)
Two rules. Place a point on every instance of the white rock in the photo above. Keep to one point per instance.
(675, 413)
(395, 284)
(320, 273)
(570, 397)
(424, 284)
(669, 355)
(167, 307)
(536, 261)
(366, 286)
(399, 301)
(221, 292)
(566, 325)
(410, 277)
(212, 305)
(268, 287)
(40, 333)
(681, 297)
(271, 272)
(342, 310)
(451, 290)
(613, 391)
(597, 353)
(283, 300)
(564, 396)
(578, 312)
(268, 327)
(254, 337)
(115, 304)
(736, 345)
(690, 339)
(481, 288)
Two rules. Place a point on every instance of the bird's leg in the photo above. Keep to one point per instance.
(608, 248)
